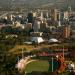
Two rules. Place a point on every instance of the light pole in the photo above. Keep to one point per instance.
(63, 51)
(17, 64)
(22, 53)
(52, 64)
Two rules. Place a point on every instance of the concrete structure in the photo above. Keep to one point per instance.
(63, 31)
(28, 27)
(55, 14)
(34, 14)
(43, 27)
(66, 15)
(73, 34)
(17, 24)
(30, 17)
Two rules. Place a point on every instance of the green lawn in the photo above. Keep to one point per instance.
(40, 65)
(37, 66)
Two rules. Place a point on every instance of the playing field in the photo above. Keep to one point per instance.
(40, 65)
(37, 66)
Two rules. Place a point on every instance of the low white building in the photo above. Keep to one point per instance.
(37, 39)
(53, 40)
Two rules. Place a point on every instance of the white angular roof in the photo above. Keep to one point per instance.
(53, 40)
(37, 39)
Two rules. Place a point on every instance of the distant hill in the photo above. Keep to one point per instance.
(37, 3)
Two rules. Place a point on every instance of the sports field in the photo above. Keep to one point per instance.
(37, 66)
(40, 65)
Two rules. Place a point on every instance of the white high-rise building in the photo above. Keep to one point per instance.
(66, 15)
(41, 15)
(36, 26)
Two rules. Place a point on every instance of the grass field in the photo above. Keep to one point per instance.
(40, 65)
(37, 66)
